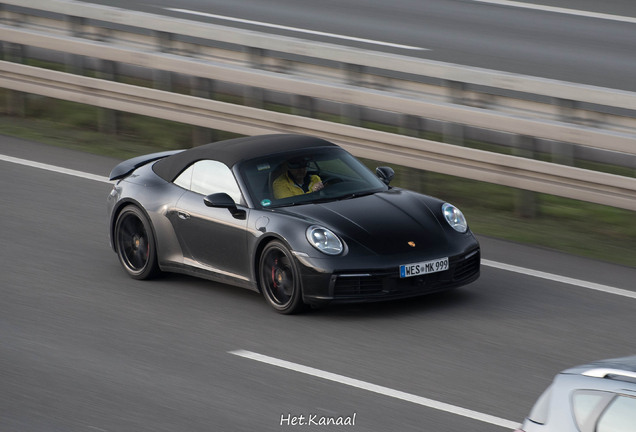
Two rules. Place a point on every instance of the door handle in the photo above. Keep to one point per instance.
(183, 215)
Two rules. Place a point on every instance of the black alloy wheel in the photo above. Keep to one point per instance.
(280, 279)
(135, 244)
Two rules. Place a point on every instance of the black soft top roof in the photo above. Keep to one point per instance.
(235, 150)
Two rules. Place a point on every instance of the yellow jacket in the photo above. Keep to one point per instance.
(285, 187)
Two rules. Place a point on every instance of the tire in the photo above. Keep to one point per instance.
(135, 244)
(280, 279)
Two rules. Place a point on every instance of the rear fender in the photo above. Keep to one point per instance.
(115, 214)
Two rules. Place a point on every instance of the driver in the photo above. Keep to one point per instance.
(296, 181)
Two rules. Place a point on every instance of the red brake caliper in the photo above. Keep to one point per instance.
(274, 273)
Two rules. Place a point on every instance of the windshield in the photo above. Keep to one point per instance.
(291, 178)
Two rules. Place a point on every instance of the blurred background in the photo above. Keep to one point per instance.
(523, 114)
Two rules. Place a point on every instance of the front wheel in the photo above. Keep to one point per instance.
(280, 279)
(135, 244)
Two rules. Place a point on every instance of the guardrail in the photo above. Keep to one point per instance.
(366, 58)
(496, 168)
(511, 171)
(346, 94)
(454, 85)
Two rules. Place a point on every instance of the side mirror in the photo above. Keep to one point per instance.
(219, 200)
(223, 200)
(385, 174)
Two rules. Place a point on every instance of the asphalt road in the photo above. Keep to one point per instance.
(83, 347)
(561, 46)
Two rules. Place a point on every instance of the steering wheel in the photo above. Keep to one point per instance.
(332, 180)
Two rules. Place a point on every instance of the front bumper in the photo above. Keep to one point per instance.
(322, 286)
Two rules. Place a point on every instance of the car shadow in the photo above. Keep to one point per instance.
(438, 302)
(451, 300)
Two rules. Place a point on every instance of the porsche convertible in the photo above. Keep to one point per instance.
(296, 218)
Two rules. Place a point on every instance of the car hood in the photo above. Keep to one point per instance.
(384, 223)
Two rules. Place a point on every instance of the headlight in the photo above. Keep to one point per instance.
(454, 217)
(324, 240)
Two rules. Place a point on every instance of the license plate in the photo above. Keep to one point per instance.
(410, 270)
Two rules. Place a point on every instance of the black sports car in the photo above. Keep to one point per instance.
(294, 217)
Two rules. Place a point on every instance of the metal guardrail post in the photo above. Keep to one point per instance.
(75, 63)
(566, 109)
(352, 114)
(415, 179)
(15, 100)
(201, 87)
(162, 80)
(108, 119)
(563, 153)
(453, 133)
(410, 125)
(302, 105)
(13, 52)
(526, 205)
(3, 20)
(253, 96)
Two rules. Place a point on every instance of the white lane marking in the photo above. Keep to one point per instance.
(488, 263)
(560, 10)
(562, 279)
(55, 169)
(296, 29)
(378, 389)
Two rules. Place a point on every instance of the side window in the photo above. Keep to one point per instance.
(587, 406)
(185, 178)
(210, 177)
(620, 416)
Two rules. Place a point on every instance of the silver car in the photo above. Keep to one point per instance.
(597, 397)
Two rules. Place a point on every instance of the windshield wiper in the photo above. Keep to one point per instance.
(355, 195)
(326, 199)
(322, 200)
(286, 205)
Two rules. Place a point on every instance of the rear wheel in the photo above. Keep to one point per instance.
(280, 279)
(135, 244)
